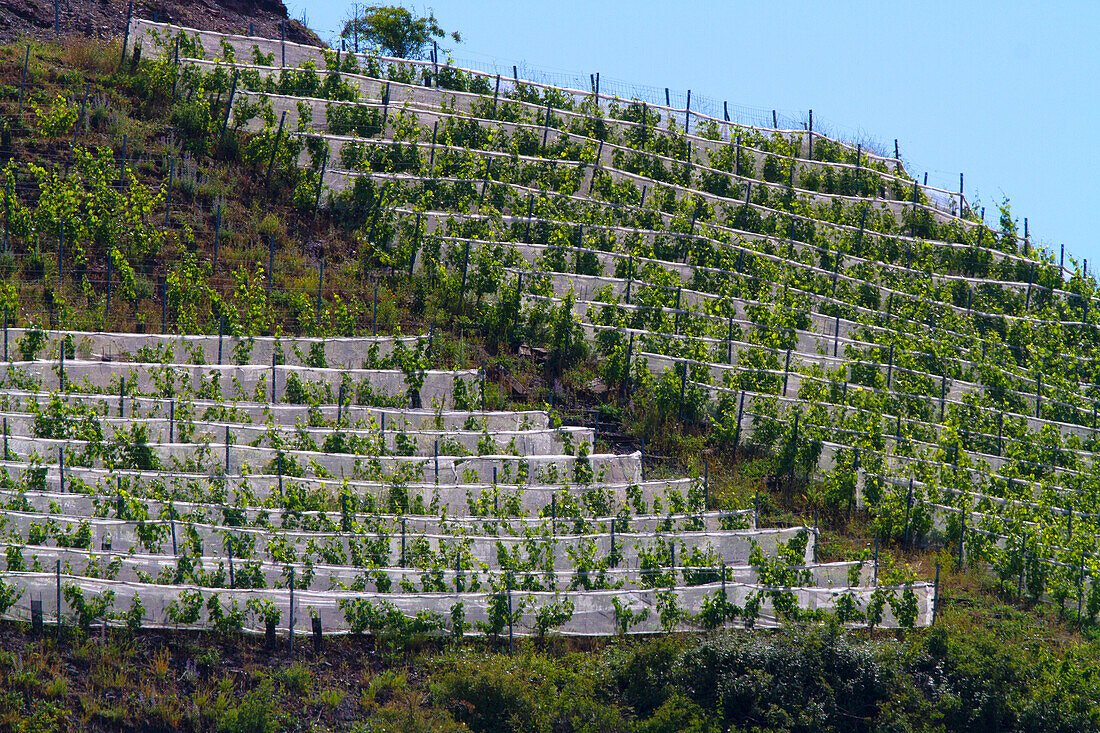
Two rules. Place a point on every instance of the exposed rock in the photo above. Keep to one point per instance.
(107, 18)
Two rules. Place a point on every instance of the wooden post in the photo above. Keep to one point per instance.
(232, 575)
(320, 283)
(962, 533)
(270, 263)
(786, 372)
(217, 235)
(229, 104)
(943, 395)
(435, 130)
(320, 182)
(810, 155)
(290, 629)
(908, 508)
(107, 307)
(57, 570)
(171, 175)
(737, 428)
(546, 127)
(274, 150)
(936, 595)
(511, 634)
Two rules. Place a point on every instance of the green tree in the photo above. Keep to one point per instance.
(395, 31)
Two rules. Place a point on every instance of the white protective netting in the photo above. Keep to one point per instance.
(336, 352)
(237, 382)
(250, 412)
(387, 546)
(541, 512)
(454, 499)
(382, 438)
(145, 568)
(554, 517)
(593, 613)
(245, 459)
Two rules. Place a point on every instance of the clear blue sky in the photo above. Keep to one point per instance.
(1006, 92)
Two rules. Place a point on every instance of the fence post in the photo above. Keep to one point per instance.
(290, 630)
(936, 595)
(612, 558)
(164, 303)
(57, 570)
(683, 384)
(810, 155)
(943, 395)
(171, 176)
(546, 127)
(908, 508)
(511, 634)
(320, 182)
(274, 150)
(217, 235)
(232, 575)
(320, 282)
(107, 307)
(404, 531)
(229, 104)
(737, 428)
(270, 263)
(786, 372)
(435, 130)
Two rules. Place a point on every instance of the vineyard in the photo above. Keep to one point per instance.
(239, 389)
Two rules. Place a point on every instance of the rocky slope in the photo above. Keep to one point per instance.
(107, 18)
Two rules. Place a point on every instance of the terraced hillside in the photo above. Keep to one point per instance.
(748, 334)
(869, 328)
